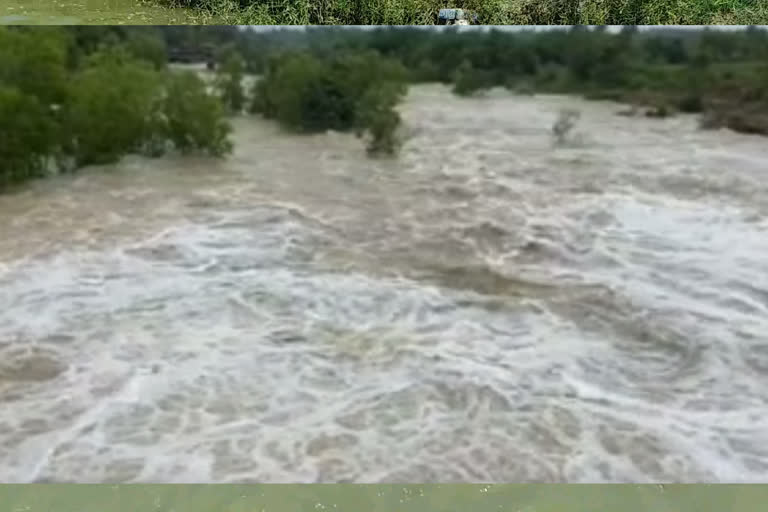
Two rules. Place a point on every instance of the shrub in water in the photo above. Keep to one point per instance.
(194, 120)
(27, 136)
(230, 82)
(379, 120)
(347, 92)
(469, 81)
(691, 103)
(113, 108)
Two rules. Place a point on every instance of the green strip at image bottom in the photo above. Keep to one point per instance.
(382, 498)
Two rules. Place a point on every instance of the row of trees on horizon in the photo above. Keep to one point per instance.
(77, 96)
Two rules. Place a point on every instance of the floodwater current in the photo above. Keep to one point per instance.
(489, 307)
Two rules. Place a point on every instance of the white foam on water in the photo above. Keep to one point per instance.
(517, 312)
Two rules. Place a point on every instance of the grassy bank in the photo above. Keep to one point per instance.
(385, 497)
(490, 12)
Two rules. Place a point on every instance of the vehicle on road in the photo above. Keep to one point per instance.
(456, 17)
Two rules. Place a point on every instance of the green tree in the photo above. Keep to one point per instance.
(469, 81)
(35, 61)
(281, 91)
(378, 118)
(230, 81)
(113, 108)
(146, 44)
(349, 91)
(194, 119)
(27, 136)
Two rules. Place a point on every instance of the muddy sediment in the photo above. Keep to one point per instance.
(491, 306)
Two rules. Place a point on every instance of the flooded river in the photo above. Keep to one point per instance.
(489, 307)
(91, 12)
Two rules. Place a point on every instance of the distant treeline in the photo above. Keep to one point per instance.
(74, 96)
(587, 54)
(720, 73)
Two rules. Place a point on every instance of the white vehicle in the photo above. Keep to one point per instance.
(453, 17)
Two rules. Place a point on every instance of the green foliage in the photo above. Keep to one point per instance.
(378, 118)
(34, 61)
(94, 94)
(281, 91)
(146, 44)
(27, 136)
(33, 84)
(194, 120)
(230, 81)
(113, 108)
(351, 91)
(143, 43)
(120, 105)
(71, 97)
(469, 81)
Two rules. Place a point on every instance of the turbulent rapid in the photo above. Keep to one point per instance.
(489, 307)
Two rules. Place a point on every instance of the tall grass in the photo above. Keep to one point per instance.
(490, 12)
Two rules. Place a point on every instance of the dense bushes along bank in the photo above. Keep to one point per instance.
(61, 109)
(490, 12)
(76, 97)
(721, 73)
(353, 91)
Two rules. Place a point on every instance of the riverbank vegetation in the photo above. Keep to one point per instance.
(490, 12)
(72, 97)
(721, 74)
(75, 96)
(346, 92)
(65, 104)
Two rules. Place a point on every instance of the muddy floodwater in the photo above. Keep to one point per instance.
(490, 307)
(88, 12)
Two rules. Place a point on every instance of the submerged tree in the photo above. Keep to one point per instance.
(113, 108)
(33, 83)
(27, 136)
(467, 81)
(61, 110)
(566, 121)
(194, 119)
(35, 62)
(230, 81)
(379, 120)
(351, 91)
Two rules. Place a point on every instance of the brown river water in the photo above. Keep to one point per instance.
(489, 307)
